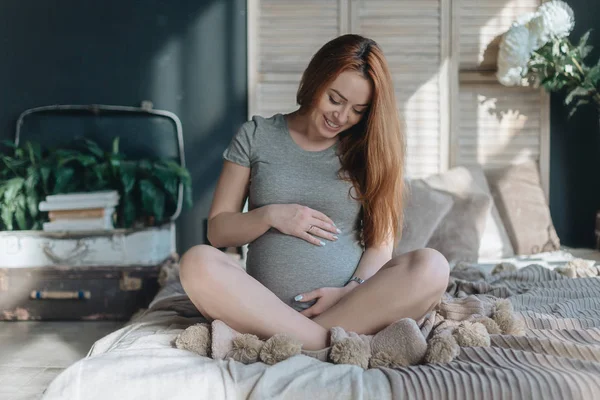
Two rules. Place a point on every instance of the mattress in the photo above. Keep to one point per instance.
(557, 358)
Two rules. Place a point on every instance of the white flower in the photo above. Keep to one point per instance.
(515, 51)
(569, 69)
(524, 19)
(553, 19)
(556, 20)
(559, 17)
(540, 35)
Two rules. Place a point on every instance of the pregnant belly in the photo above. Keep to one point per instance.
(289, 266)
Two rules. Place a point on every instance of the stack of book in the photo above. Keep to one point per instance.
(91, 211)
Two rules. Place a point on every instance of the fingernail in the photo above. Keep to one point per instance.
(322, 243)
(335, 237)
(338, 231)
(298, 298)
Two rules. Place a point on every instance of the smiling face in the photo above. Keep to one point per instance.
(342, 105)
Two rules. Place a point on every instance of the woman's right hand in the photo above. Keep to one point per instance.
(302, 222)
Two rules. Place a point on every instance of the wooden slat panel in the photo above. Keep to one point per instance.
(481, 24)
(498, 125)
(288, 34)
(408, 31)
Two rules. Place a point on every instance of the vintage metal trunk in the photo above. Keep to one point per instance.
(83, 275)
(76, 293)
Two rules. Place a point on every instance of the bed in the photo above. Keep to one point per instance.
(558, 358)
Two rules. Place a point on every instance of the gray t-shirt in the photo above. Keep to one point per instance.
(284, 173)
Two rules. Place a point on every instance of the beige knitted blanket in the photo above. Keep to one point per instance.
(558, 357)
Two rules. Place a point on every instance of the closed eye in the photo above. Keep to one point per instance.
(337, 103)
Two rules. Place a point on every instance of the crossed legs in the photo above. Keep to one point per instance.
(409, 285)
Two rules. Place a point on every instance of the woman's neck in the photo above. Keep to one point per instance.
(305, 133)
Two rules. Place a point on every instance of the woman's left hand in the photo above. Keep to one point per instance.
(326, 296)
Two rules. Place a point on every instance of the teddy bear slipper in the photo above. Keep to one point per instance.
(400, 344)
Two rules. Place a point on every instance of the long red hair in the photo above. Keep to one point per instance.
(372, 152)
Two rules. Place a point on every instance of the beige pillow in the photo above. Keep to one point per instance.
(459, 234)
(495, 242)
(518, 194)
(424, 208)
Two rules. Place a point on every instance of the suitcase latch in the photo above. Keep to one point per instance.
(129, 283)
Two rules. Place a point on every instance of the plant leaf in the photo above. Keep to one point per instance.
(128, 211)
(145, 165)
(585, 51)
(101, 174)
(20, 214)
(128, 172)
(9, 143)
(13, 187)
(45, 172)
(7, 216)
(158, 206)
(94, 148)
(579, 103)
(19, 153)
(577, 92)
(168, 179)
(33, 203)
(115, 145)
(582, 47)
(115, 164)
(67, 156)
(63, 177)
(33, 178)
(593, 76)
(153, 200)
(147, 191)
(35, 153)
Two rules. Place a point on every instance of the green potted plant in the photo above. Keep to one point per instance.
(148, 189)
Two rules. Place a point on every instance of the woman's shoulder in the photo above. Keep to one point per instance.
(259, 122)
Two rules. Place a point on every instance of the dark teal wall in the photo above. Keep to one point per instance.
(186, 56)
(575, 150)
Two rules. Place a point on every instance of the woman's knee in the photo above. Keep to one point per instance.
(195, 267)
(429, 268)
(435, 269)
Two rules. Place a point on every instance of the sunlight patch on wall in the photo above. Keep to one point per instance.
(498, 126)
(481, 25)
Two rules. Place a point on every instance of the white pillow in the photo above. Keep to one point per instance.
(458, 236)
(495, 242)
(424, 208)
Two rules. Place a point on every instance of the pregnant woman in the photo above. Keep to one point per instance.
(325, 187)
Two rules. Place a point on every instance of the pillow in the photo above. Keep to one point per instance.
(424, 208)
(518, 193)
(495, 242)
(459, 234)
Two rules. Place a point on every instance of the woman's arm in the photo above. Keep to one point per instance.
(371, 261)
(227, 225)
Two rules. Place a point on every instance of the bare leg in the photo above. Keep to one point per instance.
(409, 285)
(221, 289)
